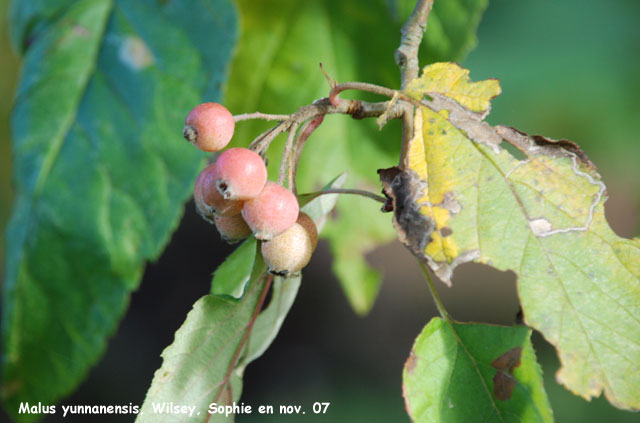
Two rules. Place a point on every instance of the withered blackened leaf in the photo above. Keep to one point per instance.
(405, 188)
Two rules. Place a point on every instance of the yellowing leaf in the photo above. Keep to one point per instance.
(453, 81)
(464, 197)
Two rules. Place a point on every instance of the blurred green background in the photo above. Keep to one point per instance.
(568, 69)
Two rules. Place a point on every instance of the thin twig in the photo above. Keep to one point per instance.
(261, 143)
(434, 293)
(360, 192)
(305, 132)
(355, 108)
(407, 54)
(259, 115)
(326, 75)
(361, 86)
(288, 151)
(407, 132)
(407, 59)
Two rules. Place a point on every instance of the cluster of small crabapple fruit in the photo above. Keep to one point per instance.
(234, 194)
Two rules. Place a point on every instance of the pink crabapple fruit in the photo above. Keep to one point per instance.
(209, 201)
(287, 253)
(240, 174)
(272, 212)
(209, 126)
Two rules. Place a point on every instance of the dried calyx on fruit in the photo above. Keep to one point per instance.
(209, 201)
(272, 212)
(240, 174)
(209, 126)
(287, 253)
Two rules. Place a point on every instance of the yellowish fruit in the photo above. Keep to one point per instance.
(286, 254)
(232, 228)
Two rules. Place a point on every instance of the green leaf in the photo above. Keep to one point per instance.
(100, 171)
(198, 368)
(541, 217)
(270, 320)
(474, 372)
(232, 277)
(28, 17)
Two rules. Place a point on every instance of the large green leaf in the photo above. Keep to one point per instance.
(231, 279)
(199, 367)
(100, 170)
(474, 373)
(467, 198)
(270, 320)
(276, 71)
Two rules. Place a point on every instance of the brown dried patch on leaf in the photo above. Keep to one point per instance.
(410, 365)
(528, 144)
(386, 177)
(405, 189)
(503, 381)
(472, 124)
(508, 361)
(503, 385)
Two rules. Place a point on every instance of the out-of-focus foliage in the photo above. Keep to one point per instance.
(9, 64)
(545, 53)
(100, 171)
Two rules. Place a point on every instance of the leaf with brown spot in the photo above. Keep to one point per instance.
(508, 361)
(503, 385)
(541, 217)
(449, 378)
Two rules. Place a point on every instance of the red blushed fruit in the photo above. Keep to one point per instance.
(209, 126)
(232, 228)
(240, 174)
(209, 201)
(272, 212)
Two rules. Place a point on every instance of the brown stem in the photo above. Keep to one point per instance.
(286, 155)
(434, 293)
(407, 59)
(259, 115)
(360, 192)
(407, 54)
(407, 132)
(306, 131)
(326, 75)
(236, 355)
(362, 86)
(261, 143)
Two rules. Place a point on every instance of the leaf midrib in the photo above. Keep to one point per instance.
(451, 325)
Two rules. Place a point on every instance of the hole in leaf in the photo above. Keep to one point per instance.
(482, 293)
(514, 151)
(622, 208)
